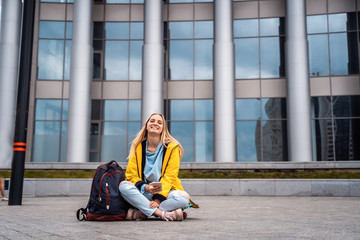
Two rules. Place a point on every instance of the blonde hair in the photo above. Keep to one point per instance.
(165, 137)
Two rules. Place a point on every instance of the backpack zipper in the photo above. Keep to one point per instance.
(107, 197)
(102, 178)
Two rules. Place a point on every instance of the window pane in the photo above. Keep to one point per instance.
(183, 132)
(94, 136)
(117, 1)
(97, 66)
(98, 45)
(68, 34)
(203, 59)
(114, 141)
(51, 29)
(67, 63)
(117, 30)
(136, 30)
(274, 145)
(248, 141)
(203, 141)
(116, 60)
(94, 157)
(248, 109)
(181, 30)
(343, 54)
(181, 60)
(95, 109)
(342, 22)
(203, 109)
(98, 30)
(246, 28)
(321, 107)
(134, 110)
(180, 1)
(273, 108)
(347, 140)
(271, 62)
(324, 146)
(181, 110)
(247, 58)
(346, 106)
(135, 60)
(46, 142)
(59, 1)
(316, 24)
(48, 109)
(271, 26)
(115, 110)
(318, 55)
(50, 59)
(65, 110)
(63, 142)
(204, 29)
(133, 129)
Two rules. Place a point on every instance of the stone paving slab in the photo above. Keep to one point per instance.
(219, 217)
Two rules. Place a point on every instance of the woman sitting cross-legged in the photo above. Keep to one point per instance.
(154, 157)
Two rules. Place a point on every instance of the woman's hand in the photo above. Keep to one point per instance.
(155, 203)
(152, 189)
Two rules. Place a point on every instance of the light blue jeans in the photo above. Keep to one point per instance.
(133, 196)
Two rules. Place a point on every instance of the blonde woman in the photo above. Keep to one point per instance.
(154, 157)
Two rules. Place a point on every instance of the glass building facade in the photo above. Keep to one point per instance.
(333, 30)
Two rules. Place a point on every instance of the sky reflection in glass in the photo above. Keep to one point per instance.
(246, 142)
(203, 59)
(181, 60)
(318, 55)
(247, 58)
(50, 59)
(116, 60)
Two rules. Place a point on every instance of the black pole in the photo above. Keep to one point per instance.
(18, 161)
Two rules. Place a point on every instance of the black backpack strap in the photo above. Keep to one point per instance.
(81, 214)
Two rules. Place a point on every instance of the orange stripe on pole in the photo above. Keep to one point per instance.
(19, 149)
(19, 144)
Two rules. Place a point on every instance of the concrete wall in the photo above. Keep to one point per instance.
(212, 187)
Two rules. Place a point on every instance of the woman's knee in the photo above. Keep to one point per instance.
(125, 185)
(185, 194)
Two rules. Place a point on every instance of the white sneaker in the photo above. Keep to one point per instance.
(176, 215)
(4, 199)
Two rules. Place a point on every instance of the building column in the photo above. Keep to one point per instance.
(78, 139)
(9, 64)
(298, 87)
(153, 60)
(224, 84)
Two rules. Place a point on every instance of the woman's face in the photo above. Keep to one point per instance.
(155, 124)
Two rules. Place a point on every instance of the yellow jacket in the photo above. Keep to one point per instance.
(169, 171)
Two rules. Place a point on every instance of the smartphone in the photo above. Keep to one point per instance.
(157, 184)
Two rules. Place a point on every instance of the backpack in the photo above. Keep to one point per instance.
(105, 202)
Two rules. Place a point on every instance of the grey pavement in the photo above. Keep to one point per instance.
(219, 217)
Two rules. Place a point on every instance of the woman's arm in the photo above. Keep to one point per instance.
(132, 171)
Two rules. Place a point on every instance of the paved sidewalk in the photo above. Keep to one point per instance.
(224, 217)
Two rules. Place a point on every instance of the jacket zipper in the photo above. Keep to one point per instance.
(168, 160)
